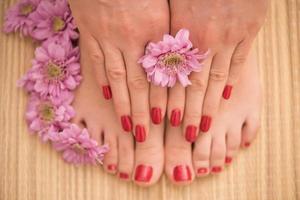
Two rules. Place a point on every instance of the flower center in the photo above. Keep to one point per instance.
(58, 24)
(78, 149)
(54, 71)
(173, 60)
(47, 112)
(26, 9)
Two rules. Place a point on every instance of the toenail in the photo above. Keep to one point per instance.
(126, 123)
(228, 160)
(202, 170)
(140, 133)
(182, 173)
(191, 133)
(216, 169)
(247, 144)
(227, 92)
(112, 167)
(107, 92)
(123, 175)
(175, 117)
(205, 123)
(156, 115)
(143, 173)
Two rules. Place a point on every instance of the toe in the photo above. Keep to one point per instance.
(178, 166)
(110, 161)
(249, 131)
(233, 141)
(218, 150)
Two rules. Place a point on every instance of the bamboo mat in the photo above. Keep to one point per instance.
(269, 170)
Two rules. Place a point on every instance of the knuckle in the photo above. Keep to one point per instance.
(218, 75)
(96, 57)
(138, 82)
(198, 85)
(116, 73)
(239, 58)
(139, 114)
(193, 115)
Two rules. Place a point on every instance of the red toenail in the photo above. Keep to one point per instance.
(143, 173)
(228, 160)
(140, 133)
(182, 173)
(107, 92)
(191, 133)
(126, 123)
(156, 115)
(227, 92)
(123, 175)
(205, 123)
(216, 169)
(202, 170)
(247, 144)
(112, 167)
(175, 117)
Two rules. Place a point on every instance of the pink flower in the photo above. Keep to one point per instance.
(171, 59)
(53, 20)
(18, 17)
(55, 69)
(77, 146)
(47, 115)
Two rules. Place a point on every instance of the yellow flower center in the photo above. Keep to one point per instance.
(47, 112)
(58, 24)
(173, 60)
(54, 71)
(78, 149)
(26, 9)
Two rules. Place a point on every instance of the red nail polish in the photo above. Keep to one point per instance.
(247, 144)
(126, 123)
(175, 117)
(191, 133)
(112, 167)
(143, 173)
(140, 133)
(228, 160)
(227, 92)
(202, 170)
(182, 173)
(107, 92)
(156, 115)
(205, 123)
(123, 175)
(216, 169)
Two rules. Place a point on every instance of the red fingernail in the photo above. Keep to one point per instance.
(126, 123)
(205, 123)
(227, 91)
(107, 92)
(143, 173)
(112, 167)
(216, 169)
(123, 175)
(228, 160)
(156, 115)
(202, 170)
(140, 133)
(175, 117)
(247, 144)
(182, 173)
(191, 133)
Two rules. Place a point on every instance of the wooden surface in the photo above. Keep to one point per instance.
(269, 170)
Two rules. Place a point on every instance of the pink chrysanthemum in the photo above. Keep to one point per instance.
(18, 17)
(77, 146)
(55, 69)
(45, 116)
(171, 59)
(53, 20)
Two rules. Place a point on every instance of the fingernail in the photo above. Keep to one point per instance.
(126, 123)
(112, 167)
(247, 144)
(205, 123)
(227, 91)
(156, 115)
(107, 92)
(216, 169)
(228, 160)
(202, 170)
(140, 133)
(182, 173)
(143, 173)
(175, 117)
(123, 175)
(191, 133)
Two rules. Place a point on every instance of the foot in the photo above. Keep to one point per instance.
(235, 126)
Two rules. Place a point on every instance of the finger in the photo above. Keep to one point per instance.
(158, 103)
(238, 60)
(194, 99)
(139, 93)
(216, 82)
(116, 74)
(176, 100)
